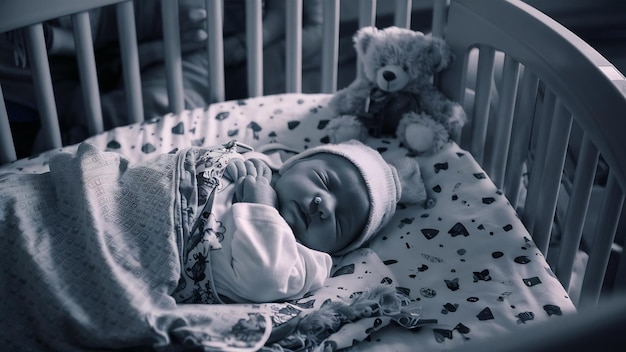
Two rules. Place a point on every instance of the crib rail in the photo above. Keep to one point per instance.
(551, 84)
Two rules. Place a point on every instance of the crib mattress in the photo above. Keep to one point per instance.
(467, 264)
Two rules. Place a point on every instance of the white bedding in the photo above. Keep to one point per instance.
(468, 261)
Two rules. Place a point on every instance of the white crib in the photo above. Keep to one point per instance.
(528, 85)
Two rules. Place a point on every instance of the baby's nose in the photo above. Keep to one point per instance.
(324, 206)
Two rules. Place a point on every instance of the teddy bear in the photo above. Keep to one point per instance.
(394, 93)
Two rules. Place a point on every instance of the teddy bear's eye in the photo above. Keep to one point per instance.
(383, 63)
(405, 67)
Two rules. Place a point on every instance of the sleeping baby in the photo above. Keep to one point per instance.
(267, 234)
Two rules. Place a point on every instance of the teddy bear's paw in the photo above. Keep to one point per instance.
(418, 138)
(457, 118)
(422, 135)
(345, 128)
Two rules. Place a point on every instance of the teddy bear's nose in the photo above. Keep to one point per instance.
(389, 76)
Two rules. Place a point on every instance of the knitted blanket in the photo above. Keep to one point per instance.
(90, 255)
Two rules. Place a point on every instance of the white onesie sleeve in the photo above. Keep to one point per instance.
(267, 261)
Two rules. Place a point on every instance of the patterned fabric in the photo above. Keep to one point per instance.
(467, 263)
(196, 283)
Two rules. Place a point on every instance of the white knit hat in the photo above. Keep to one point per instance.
(381, 179)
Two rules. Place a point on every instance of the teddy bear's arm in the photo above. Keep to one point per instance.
(352, 99)
(443, 110)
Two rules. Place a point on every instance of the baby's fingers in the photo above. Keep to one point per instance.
(235, 169)
(262, 170)
(265, 171)
(250, 168)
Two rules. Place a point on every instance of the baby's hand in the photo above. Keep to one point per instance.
(252, 181)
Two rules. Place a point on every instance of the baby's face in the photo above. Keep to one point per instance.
(324, 200)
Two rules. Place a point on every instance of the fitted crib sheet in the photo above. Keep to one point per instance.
(468, 262)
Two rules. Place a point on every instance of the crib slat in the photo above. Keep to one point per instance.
(293, 45)
(38, 58)
(601, 248)
(215, 51)
(172, 55)
(130, 60)
(330, 46)
(480, 116)
(440, 16)
(7, 149)
(367, 17)
(577, 210)
(402, 13)
(538, 146)
(367, 13)
(87, 69)
(551, 176)
(254, 46)
(520, 140)
(504, 121)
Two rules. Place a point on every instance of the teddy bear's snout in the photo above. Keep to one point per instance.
(389, 76)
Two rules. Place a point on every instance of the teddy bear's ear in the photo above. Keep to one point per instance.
(363, 38)
(439, 54)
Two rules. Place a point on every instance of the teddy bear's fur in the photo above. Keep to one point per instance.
(394, 92)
